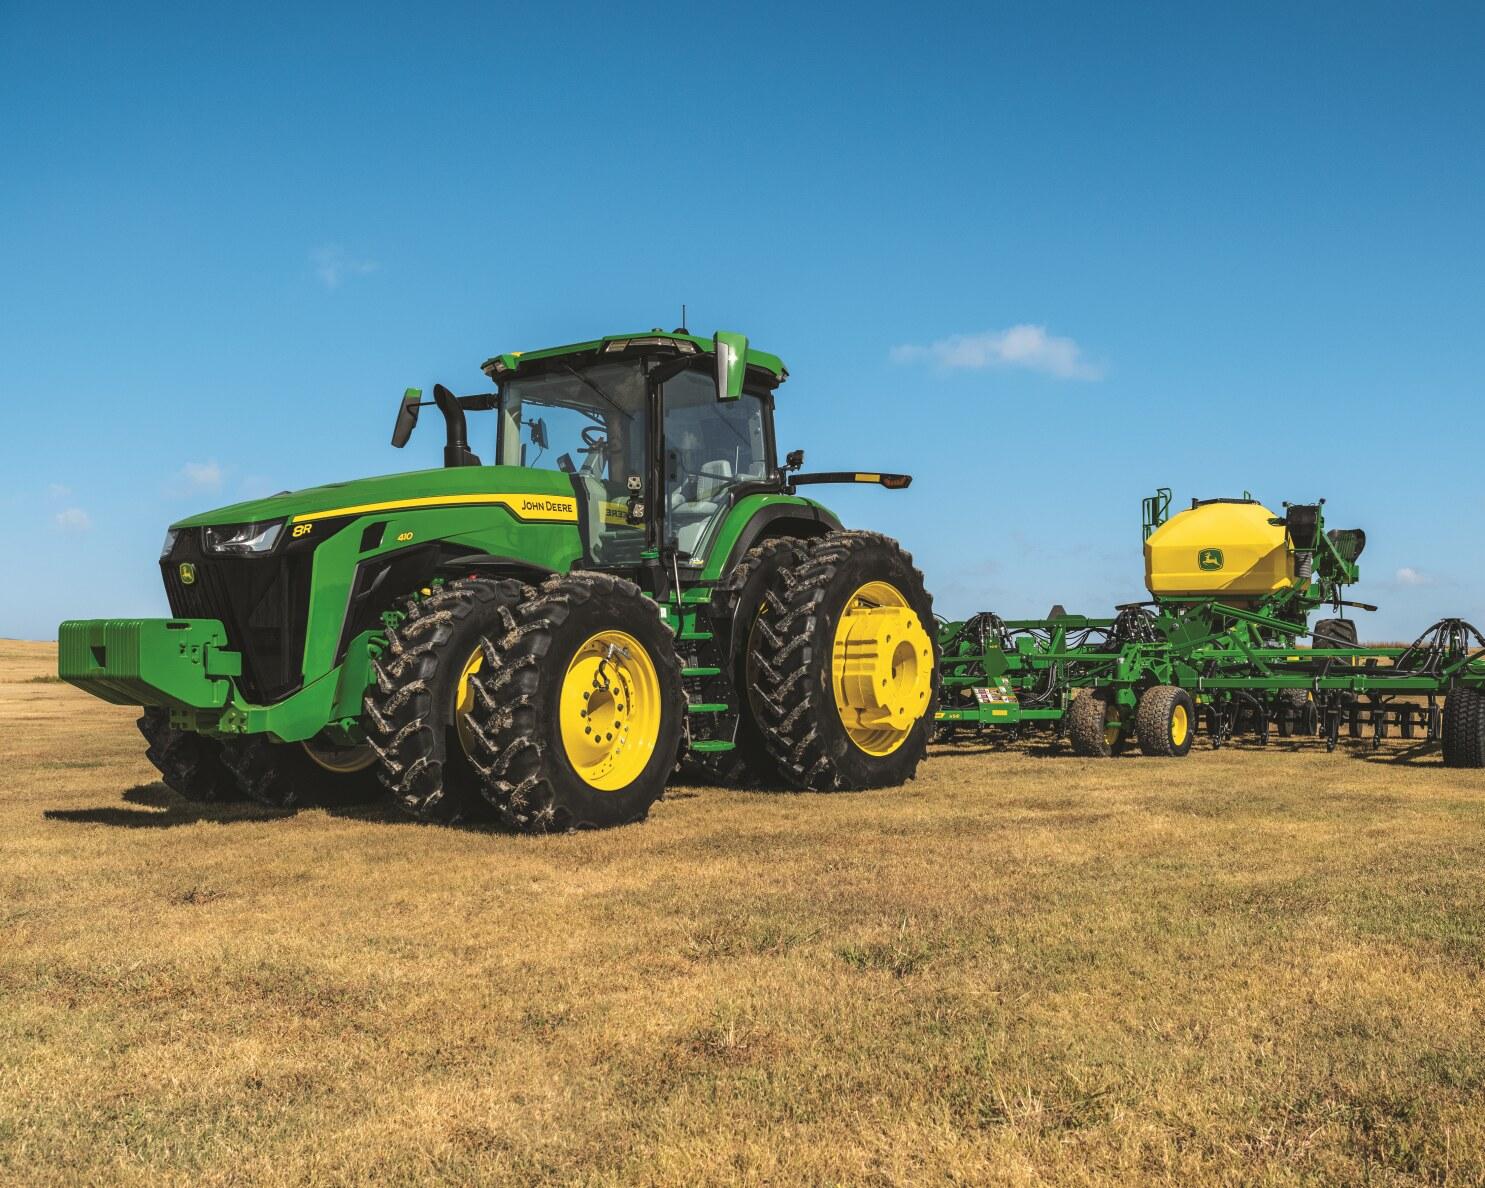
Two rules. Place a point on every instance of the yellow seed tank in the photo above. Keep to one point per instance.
(1225, 547)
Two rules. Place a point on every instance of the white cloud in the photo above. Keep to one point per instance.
(73, 519)
(334, 265)
(203, 476)
(1025, 346)
(1407, 576)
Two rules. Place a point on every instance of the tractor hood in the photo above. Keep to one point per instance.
(386, 492)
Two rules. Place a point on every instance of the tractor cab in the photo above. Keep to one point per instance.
(659, 434)
(592, 419)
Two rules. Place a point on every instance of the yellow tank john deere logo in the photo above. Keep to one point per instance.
(1209, 560)
(187, 574)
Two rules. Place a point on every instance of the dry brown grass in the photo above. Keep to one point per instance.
(1248, 967)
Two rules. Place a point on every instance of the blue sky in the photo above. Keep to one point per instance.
(1044, 257)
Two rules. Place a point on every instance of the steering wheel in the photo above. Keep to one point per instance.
(593, 437)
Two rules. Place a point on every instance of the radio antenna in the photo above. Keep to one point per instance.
(683, 320)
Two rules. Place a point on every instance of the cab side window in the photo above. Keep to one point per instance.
(710, 447)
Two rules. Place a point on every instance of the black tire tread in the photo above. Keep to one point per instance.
(406, 679)
(1152, 720)
(1334, 633)
(789, 725)
(1464, 728)
(1086, 718)
(283, 776)
(512, 738)
(260, 776)
(189, 763)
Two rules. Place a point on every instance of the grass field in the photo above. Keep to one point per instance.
(1247, 967)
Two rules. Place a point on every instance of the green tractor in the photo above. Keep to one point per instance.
(633, 582)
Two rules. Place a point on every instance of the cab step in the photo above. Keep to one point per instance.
(701, 671)
(711, 746)
(707, 707)
(699, 635)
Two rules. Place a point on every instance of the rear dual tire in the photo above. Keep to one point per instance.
(843, 675)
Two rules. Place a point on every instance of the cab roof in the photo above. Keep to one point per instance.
(679, 341)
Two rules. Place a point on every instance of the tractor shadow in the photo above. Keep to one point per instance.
(157, 807)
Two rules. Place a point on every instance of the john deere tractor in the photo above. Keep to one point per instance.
(629, 580)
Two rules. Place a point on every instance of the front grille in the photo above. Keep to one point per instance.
(263, 602)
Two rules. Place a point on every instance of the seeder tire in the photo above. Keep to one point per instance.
(1334, 633)
(1464, 728)
(1294, 713)
(1089, 729)
(578, 714)
(189, 764)
(804, 684)
(1165, 721)
(419, 712)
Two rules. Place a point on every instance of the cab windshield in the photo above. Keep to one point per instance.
(590, 423)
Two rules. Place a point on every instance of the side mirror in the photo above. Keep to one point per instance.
(794, 460)
(539, 433)
(732, 363)
(407, 416)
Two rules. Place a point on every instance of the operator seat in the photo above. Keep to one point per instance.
(691, 512)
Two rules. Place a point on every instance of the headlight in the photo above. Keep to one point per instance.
(170, 535)
(242, 539)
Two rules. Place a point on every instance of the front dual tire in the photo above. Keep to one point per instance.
(549, 709)
(579, 711)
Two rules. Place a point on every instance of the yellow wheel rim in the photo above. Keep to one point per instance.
(609, 708)
(881, 668)
(340, 760)
(464, 697)
(1180, 725)
(1111, 735)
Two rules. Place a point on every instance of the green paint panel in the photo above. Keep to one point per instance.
(458, 482)
(737, 521)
